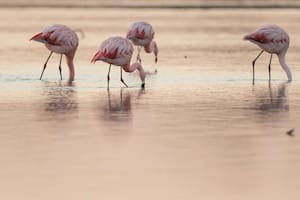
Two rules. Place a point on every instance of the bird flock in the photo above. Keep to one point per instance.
(114, 50)
(118, 51)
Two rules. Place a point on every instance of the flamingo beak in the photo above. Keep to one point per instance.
(38, 37)
(96, 57)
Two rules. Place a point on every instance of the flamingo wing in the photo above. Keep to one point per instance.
(268, 34)
(141, 31)
(116, 46)
(45, 38)
(114, 50)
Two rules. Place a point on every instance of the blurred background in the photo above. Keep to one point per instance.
(153, 3)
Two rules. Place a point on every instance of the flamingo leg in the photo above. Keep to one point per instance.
(108, 77)
(138, 58)
(45, 65)
(271, 93)
(253, 64)
(121, 97)
(109, 100)
(270, 67)
(122, 78)
(59, 67)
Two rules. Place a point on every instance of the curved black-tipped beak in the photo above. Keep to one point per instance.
(143, 86)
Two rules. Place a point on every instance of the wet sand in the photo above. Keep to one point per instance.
(200, 129)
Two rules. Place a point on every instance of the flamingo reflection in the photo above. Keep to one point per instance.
(119, 105)
(60, 98)
(277, 101)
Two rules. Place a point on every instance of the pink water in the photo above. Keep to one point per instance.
(200, 129)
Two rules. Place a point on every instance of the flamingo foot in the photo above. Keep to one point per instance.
(124, 82)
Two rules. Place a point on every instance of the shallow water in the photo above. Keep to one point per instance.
(200, 129)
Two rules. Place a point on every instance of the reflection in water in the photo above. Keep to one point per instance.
(273, 102)
(199, 132)
(119, 105)
(60, 98)
(123, 104)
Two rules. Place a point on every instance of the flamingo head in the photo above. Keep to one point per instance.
(136, 66)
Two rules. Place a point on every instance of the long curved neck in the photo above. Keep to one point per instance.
(285, 67)
(70, 64)
(135, 66)
(152, 47)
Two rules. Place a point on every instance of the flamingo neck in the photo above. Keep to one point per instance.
(152, 47)
(136, 66)
(70, 64)
(285, 67)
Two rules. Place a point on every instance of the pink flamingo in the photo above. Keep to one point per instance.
(274, 40)
(62, 40)
(118, 51)
(142, 34)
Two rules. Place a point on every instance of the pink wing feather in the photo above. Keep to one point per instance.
(268, 34)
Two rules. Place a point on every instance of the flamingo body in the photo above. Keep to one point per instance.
(115, 50)
(270, 38)
(62, 40)
(142, 34)
(274, 40)
(118, 51)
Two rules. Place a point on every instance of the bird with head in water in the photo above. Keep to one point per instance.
(142, 34)
(62, 40)
(274, 40)
(118, 51)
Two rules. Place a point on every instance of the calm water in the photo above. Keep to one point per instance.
(200, 129)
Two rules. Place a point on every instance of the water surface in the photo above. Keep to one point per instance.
(200, 129)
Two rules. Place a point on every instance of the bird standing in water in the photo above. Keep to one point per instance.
(62, 40)
(274, 40)
(142, 34)
(118, 51)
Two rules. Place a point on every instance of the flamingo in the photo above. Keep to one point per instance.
(118, 51)
(142, 34)
(62, 40)
(274, 40)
